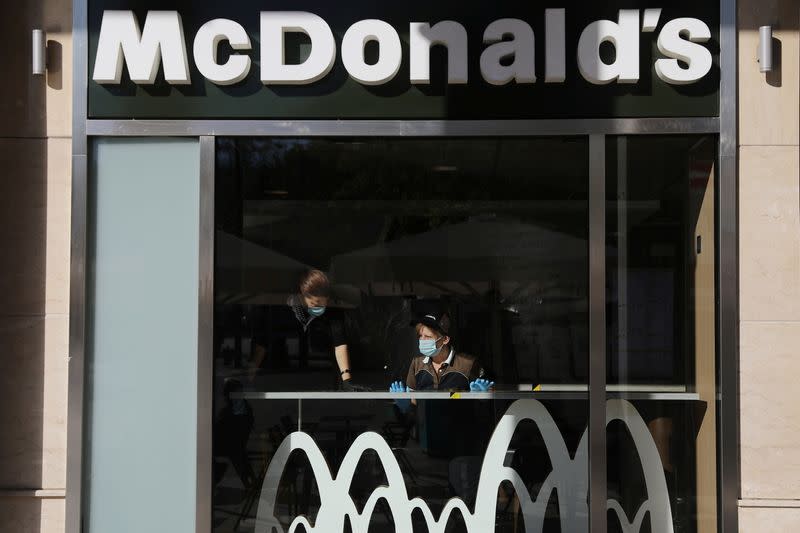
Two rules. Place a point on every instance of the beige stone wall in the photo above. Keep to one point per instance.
(769, 262)
(35, 129)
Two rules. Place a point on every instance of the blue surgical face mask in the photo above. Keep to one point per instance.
(427, 347)
(316, 311)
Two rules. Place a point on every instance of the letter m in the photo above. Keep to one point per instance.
(121, 40)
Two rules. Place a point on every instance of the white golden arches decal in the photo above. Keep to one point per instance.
(569, 478)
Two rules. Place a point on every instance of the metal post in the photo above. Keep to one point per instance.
(622, 259)
(205, 337)
(597, 334)
(73, 513)
(728, 273)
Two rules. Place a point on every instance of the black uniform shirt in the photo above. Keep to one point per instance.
(316, 337)
(324, 332)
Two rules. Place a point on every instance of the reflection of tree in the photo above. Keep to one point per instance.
(404, 226)
(474, 222)
(447, 175)
(413, 169)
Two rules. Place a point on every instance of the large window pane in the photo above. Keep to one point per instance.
(661, 332)
(141, 338)
(494, 232)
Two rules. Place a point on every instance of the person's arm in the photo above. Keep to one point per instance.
(339, 341)
(411, 380)
(404, 404)
(478, 382)
(342, 355)
(343, 361)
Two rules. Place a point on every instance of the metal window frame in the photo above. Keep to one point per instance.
(205, 337)
(727, 320)
(598, 485)
(404, 128)
(596, 129)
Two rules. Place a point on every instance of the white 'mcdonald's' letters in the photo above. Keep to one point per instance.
(274, 26)
(121, 40)
(508, 55)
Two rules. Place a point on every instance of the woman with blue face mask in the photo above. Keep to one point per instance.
(439, 365)
(322, 329)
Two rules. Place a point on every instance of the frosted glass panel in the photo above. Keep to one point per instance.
(142, 307)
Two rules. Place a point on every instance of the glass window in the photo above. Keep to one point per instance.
(432, 266)
(661, 332)
(141, 335)
(491, 233)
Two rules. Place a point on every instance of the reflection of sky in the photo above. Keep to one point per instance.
(323, 169)
(259, 152)
(272, 152)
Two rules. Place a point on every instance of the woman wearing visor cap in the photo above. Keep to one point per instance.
(439, 365)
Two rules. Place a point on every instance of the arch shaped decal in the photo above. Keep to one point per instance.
(568, 477)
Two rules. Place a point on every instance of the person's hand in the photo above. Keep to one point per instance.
(404, 404)
(481, 385)
(398, 386)
(349, 386)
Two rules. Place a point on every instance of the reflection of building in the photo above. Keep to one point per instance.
(108, 300)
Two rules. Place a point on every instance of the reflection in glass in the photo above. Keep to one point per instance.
(492, 230)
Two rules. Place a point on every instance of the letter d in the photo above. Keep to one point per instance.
(274, 26)
(624, 35)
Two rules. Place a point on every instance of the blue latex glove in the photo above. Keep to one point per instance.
(481, 385)
(398, 386)
(404, 404)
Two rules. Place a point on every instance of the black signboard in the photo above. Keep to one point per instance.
(338, 96)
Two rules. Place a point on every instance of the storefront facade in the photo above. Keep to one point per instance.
(561, 179)
(618, 249)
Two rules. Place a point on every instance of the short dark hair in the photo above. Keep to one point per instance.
(315, 283)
